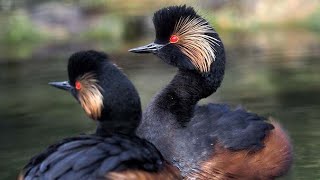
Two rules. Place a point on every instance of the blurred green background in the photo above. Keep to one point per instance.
(273, 53)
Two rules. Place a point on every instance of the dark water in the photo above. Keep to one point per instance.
(276, 80)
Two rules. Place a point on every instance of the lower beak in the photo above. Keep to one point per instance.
(150, 48)
(64, 85)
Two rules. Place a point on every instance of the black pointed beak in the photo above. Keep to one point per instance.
(150, 48)
(64, 85)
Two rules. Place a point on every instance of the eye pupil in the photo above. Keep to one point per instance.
(174, 39)
(78, 85)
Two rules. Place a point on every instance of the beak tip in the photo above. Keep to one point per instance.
(51, 84)
(134, 50)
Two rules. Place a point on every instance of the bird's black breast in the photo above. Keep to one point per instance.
(92, 157)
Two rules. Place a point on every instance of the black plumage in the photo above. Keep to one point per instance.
(121, 103)
(165, 20)
(213, 140)
(113, 150)
(92, 157)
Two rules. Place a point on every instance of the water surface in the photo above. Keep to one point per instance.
(272, 79)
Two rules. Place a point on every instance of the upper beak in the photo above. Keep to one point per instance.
(64, 85)
(150, 48)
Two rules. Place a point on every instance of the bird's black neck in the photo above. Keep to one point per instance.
(122, 114)
(106, 128)
(188, 87)
(122, 108)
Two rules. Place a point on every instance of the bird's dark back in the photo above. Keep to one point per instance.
(93, 157)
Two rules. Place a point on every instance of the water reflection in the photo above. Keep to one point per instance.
(283, 83)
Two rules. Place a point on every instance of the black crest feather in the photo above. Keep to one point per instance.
(165, 19)
(83, 62)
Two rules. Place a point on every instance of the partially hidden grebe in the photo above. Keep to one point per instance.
(114, 151)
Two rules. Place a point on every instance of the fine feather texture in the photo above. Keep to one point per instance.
(106, 94)
(168, 173)
(271, 162)
(239, 129)
(195, 42)
(191, 136)
(93, 157)
(166, 19)
(114, 147)
(189, 146)
(90, 96)
(197, 39)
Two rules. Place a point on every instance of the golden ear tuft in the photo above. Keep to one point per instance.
(90, 96)
(195, 43)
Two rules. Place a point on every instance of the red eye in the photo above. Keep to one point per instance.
(78, 85)
(174, 39)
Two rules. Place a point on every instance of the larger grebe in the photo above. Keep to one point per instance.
(210, 141)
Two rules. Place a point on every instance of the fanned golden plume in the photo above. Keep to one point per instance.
(90, 96)
(168, 172)
(195, 43)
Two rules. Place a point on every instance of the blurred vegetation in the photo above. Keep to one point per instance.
(113, 23)
(19, 29)
(110, 27)
(313, 21)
